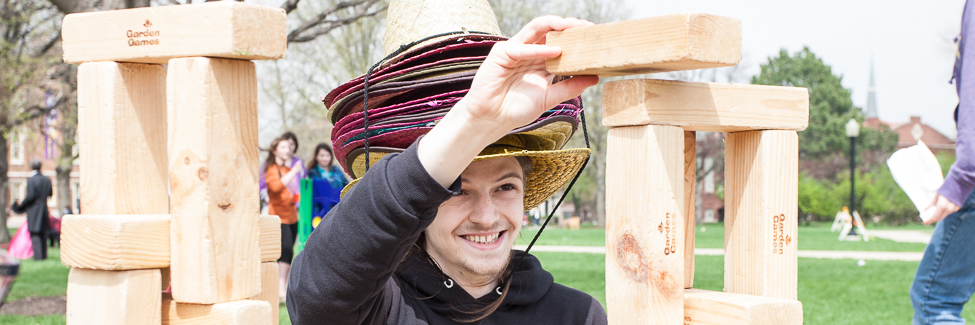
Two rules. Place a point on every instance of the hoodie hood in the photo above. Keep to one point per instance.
(423, 280)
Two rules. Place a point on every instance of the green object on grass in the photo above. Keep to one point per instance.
(304, 213)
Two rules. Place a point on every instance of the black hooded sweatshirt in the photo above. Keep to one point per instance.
(355, 267)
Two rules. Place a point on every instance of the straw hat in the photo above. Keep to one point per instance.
(408, 21)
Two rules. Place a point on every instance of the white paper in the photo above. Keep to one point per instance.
(918, 173)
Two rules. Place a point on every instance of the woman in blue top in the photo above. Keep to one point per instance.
(322, 167)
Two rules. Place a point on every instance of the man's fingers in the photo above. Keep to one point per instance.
(570, 88)
(537, 28)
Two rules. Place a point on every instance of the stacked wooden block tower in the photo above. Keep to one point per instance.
(651, 165)
(170, 231)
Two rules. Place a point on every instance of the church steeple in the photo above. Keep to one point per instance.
(871, 96)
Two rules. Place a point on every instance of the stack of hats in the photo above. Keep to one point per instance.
(420, 81)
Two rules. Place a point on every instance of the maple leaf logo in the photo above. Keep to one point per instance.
(788, 239)
(660, 228)
(147, 24)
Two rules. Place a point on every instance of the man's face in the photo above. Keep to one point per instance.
(474, 231)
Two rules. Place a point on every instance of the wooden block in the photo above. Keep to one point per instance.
(690, 194)
(270, 228)
(113, 297)
(269, 288)
(649, 45)
(702, 307)
(698, 106)
(761, 213)
(122, 138)
(213, 173)
(165, 278)
(644, 225)
(241, 312)
(115, 242)
(156, 34)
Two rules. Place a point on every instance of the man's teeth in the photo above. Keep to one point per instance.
(483, 239)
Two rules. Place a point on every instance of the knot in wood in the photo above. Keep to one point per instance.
(630, 258)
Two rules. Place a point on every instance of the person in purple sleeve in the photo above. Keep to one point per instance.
(945, 279)
(295, 185)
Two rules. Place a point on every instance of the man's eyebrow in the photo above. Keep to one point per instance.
(511, 174)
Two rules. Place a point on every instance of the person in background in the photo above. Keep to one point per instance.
(295, 184)
(323, 167)
(279, 170)
(945, 278)
(34, 205)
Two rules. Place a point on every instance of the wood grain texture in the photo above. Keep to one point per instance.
(698, 106)
(156, 34)
(115, 242)
(122, 138)
(269, 288)
(213, 173)
(270, 230)
(690, 170)
(113, 297)
(649, 45)
(761, 213)
(702, 307)
(242, 312)
(644, 225)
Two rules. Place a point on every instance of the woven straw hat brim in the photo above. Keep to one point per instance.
(550, 171)
(408, 21)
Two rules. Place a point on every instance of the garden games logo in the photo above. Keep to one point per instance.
(141, 38)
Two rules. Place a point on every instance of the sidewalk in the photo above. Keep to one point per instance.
(860, 255)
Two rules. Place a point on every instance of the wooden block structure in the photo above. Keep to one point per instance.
(651, 163)
(169, 194)
(650, 180)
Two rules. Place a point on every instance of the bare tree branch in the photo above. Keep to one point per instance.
(71, 6)
(288, 6)
(322, 25)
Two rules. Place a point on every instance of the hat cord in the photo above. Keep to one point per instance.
(585, 134)
(365, 96)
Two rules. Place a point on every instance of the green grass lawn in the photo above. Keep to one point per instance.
(832, 291)
(39, 279)
(813, 237)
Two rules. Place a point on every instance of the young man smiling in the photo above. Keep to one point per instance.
(425, 236)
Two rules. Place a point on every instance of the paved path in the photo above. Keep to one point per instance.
(860, 255)
(904, 236)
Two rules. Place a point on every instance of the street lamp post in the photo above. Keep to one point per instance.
(852, 131)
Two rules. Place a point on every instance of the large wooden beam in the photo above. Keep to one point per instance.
(270, 238)
(269, 288)
(242, 312)
(213, 159)
(698, 106)
(702, 307)
(761, 213)
(649, 45)
(690, 195)
(122, 138)
(644, 225)
(157, 34)
(113, 297)
(115, 242)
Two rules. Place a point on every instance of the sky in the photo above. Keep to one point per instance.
(910, 43)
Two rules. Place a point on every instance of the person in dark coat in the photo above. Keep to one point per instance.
(34, 205)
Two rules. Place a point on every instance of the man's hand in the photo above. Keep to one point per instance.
(511, 89)
(943, 207)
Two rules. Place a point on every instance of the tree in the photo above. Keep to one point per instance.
(28, 30)
(830, 108)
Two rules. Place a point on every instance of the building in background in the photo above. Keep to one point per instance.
(907, 133)
(25, 145)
